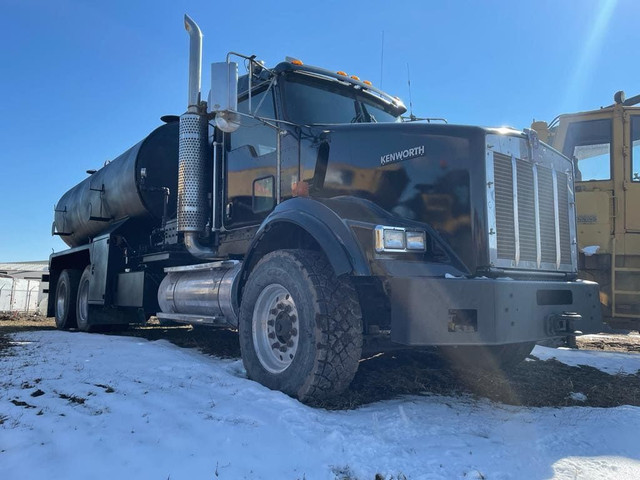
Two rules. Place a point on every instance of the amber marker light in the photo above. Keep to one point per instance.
(355, 77)
(340, 72)
(296, 62)
(367, 82)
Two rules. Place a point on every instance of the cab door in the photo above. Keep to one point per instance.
(589, 142)
(250, 163)
(632, 174)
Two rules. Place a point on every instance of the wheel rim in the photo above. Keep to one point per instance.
(61, 300)
(275, 328)
(82, 311)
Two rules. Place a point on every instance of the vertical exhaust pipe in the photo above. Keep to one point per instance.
(193, 151)
(195, 63)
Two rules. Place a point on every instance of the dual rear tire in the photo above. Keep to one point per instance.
(66, 299)
(72, 299)
(72, 305)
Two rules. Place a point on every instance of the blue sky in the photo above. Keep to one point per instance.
(82, 81)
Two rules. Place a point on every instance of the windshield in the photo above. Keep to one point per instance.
(309, 101)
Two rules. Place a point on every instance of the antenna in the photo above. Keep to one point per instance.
(411, 116)
(381, 59)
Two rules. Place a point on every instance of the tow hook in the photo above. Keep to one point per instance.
(562, 323)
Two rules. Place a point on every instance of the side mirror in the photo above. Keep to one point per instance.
(223, 96)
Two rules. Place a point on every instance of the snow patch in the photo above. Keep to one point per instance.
(150, 410)
(609, 362)
(578, 397)
(590, 250)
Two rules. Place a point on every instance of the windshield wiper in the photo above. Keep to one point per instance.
(360, 114)
(368, 117)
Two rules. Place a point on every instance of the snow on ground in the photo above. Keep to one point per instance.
(106, 407)
(610, 362)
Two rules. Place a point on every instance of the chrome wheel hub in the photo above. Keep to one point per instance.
(275, 328)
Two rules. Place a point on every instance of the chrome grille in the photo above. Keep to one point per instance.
(530, 216)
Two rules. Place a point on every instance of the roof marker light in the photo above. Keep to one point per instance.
(355, 77)
(340, 72)
(293, 60)
(367, 82)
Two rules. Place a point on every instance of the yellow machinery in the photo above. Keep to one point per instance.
(605, 147)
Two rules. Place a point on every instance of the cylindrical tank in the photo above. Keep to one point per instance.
(133, 185)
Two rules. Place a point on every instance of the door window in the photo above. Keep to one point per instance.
(588, 144)
(260, 138)
(635, 148)
(251, 163)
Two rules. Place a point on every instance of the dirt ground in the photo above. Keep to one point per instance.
(420, 372)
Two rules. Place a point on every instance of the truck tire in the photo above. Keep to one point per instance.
(66, 293)
(492, 357)
(300, 326)
(82, 306)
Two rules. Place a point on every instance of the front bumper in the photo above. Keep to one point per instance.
(483, 311)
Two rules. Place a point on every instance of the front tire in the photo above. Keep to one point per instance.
(300, 326)
(66, 293)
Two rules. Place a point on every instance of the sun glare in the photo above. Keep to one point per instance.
(583, 70)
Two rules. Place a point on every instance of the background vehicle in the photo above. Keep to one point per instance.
(296, 205)
(605, 146)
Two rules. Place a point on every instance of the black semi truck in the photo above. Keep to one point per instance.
(298, 206)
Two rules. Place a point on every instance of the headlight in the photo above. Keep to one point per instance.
(416, 241)
(397, 239)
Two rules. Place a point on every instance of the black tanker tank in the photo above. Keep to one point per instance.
(133, 185)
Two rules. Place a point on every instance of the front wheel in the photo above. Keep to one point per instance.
(300, 326)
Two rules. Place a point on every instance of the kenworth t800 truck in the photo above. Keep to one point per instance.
(297, 206)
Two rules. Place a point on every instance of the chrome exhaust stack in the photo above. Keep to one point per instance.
(195, 63)
(193, 151)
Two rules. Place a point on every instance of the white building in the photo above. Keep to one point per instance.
(21, 287)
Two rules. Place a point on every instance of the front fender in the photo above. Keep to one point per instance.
(335, 238)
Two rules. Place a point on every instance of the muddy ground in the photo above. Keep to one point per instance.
(531, 383)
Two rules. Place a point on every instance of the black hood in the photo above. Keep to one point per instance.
(429, 176)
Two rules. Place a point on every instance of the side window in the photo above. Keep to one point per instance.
(260, 138)
(264, 194)
(635, 148)
(589, 145)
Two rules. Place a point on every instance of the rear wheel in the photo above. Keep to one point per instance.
(300, 326)
(82, 306)
(493, 357)
(66, 293)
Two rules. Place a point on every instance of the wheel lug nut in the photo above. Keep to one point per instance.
(290, 343)
(283, 349)
(294, 331)
(280, 306)
(271, 323)
(293, 318)
(287, 308)
(275, 345)
(272, 335)
(273, 311)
